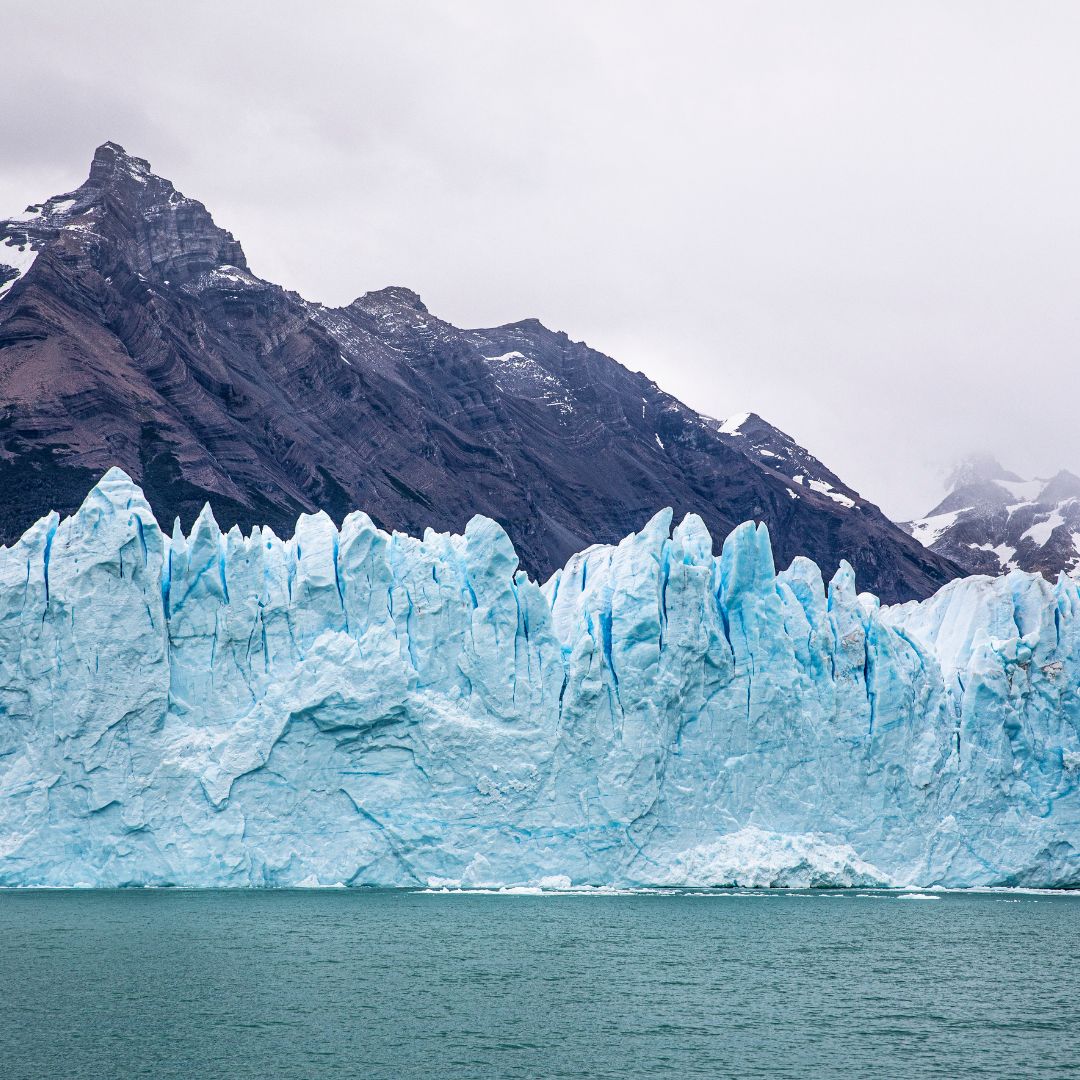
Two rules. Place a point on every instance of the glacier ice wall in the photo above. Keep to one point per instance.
(352, 706)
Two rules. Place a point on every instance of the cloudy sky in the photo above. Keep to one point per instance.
(860, 220)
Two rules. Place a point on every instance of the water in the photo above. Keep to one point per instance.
(397, 985)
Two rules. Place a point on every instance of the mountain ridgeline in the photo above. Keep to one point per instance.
(133, 333)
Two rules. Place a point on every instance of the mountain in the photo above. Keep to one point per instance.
(756, 437)
(134, 333)
(993, 521)
(351, 706)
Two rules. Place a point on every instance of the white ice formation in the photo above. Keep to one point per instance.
(352, 706)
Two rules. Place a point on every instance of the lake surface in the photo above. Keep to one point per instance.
(396, 985)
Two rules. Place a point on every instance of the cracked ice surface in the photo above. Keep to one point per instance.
(373, 709)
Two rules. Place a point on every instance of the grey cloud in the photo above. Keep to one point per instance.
(859, 220)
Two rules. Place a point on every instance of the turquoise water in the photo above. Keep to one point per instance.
(383, 984)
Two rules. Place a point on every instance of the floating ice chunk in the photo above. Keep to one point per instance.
(755, 858)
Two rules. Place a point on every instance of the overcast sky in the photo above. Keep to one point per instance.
(861, 220)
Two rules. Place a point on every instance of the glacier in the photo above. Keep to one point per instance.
(353, 706)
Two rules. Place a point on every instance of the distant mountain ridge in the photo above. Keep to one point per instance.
(993, 521)
(134, 333)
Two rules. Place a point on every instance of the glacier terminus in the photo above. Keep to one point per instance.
(350, 706)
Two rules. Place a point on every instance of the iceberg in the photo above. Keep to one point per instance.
(356, 707)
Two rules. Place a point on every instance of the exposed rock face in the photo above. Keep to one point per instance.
(993, 521)
(353, 706)
(133, 333)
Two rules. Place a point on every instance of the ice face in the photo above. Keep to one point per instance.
(353, 706)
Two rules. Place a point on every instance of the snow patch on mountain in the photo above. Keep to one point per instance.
(929, 529)
(1028, 491)
(15, 260)
(732, 424)
(823, 488)
(1041, 531)
(1002, 552)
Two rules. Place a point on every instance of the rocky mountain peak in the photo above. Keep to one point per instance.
(1060, 487)
(124, 215)
(112, 162)
(993, 521)
(389, 298)
(531, 326)
(753, 434)
(393, 312)
(978, 469)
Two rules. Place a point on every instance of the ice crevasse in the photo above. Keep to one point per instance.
(355, 707)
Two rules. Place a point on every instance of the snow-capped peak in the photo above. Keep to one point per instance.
(993, 521)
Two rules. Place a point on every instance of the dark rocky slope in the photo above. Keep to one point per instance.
(133, 333)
